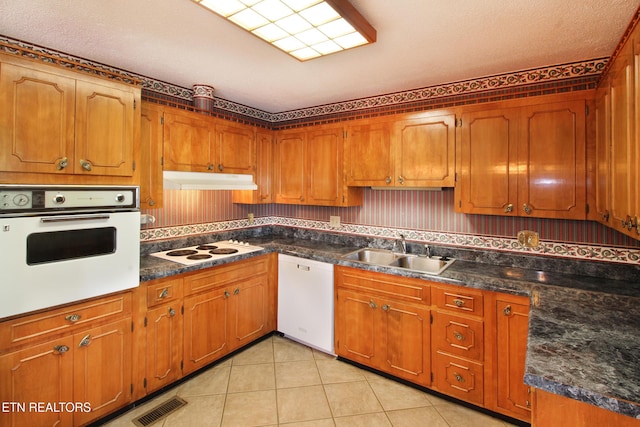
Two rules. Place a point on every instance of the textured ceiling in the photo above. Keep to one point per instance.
(420, 43)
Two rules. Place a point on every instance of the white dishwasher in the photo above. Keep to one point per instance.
(305, 301)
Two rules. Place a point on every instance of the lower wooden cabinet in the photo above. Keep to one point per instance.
(377, 326)
(88, 364)
(466, 343)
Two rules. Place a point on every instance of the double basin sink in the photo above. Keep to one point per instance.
(420, 263)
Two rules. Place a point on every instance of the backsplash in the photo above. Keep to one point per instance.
(421, 215)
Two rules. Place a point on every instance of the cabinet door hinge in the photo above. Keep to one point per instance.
(133, 165)
(459, 122)
(162, 161)
(431, 318)
(587, 208)
(431, 376)
(161, 120)
(131, 326)
(131, 388)
(182, 310)
(144, 383)
(586, 110)
(182, 365)
(145, 322)
(455, 177)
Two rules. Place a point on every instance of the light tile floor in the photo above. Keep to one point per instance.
(279, 382)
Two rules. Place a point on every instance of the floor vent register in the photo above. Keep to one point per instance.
(159, 412)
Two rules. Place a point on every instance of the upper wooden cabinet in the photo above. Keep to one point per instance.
(264, 176)
(197, 143)
(617, 141)
(527, 161)
(309, 168)
(151, 156)
(56, 121)
(406, 152)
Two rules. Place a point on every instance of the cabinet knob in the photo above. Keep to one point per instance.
(527, 209)
(372, 304)
(172, 312)
(85, 341)
(458, 377)
(509, 208)
(388, 180)
(86, 165)
(164, 293)
(73, 318)
(401, 179)
(458, 302)
(458, 336)
(220, 167)
(605, 216)
(61, 349)
(386, 307)
(210, 167)
(63, 163)
(227, 294)
(507, 310)
(236, 291)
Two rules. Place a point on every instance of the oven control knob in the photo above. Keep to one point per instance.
(120, 198)
(58, 199)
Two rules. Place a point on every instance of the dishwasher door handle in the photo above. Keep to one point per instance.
(304, 267)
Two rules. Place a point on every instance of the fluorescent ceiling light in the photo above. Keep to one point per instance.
(305, 29)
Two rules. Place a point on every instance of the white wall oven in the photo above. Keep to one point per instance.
(60, 244)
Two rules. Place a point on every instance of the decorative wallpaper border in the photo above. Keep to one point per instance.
(545, 248)
(545, 75)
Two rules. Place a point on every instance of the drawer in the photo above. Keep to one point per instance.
(38, 326)
(459, 378)
(163, 290)
(458, 299)
(458, 335)
(225, 274)
(386, 285)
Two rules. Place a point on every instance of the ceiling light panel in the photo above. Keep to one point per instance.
(303, 28)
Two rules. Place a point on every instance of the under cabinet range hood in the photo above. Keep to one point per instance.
(176, 180)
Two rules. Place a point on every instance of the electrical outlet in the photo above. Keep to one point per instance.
(528, 239)
(250, 218)
(334, 221)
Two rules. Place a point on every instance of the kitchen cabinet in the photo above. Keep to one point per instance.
(199, 143)
(524, 161)
(603, 153)
(406, 152)
(382, 321)
(551, 410)
(458, 342)
(151, 156)
(512, 327)
(163, 323)
(226, 307)
(309, 168)
(264, 176)
(63, 123)
(59, 356)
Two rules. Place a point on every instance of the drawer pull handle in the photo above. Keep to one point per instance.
(458, 302)
(304, 267)
(73, 318)
(458, 336)
(84, 342)
(172, 312)
(61, 348)
(507, 310)
(164, 293)
(372, 304)
(458, 377)
(386, 307)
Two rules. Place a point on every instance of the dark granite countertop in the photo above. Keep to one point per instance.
(584, 329)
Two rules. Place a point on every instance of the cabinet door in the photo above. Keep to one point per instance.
(290, 168)
(150, 157)
(552, 161)
(102, 369)
(404, 343)
(622, 140)
(512, 326)
(205, 328)
(164, 345)
(368, 156)
(488, 171)
(323, 167)
(425, 152)
(248, 311)
(603, 145)
(41, 374)
(104, 130)
(356, 327)
(236, 149)
(37, 120)
(264, 175)
(188, 142)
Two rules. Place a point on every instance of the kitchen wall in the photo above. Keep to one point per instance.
(408, 209)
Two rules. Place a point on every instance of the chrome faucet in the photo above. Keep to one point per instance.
(427, 251)
(403, 244)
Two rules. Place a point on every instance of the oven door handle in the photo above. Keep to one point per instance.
(65, 218)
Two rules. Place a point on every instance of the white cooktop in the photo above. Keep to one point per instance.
(207, 252)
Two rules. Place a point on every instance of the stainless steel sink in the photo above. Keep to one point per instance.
(373, 256)
(383, 257)
(432, 265)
